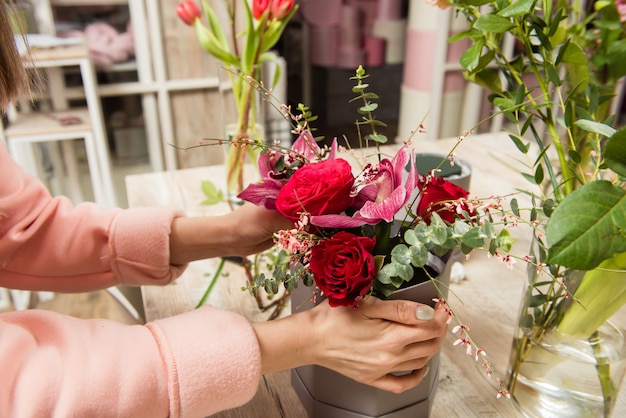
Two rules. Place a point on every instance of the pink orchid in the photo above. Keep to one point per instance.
(380, 193)
(265, 193)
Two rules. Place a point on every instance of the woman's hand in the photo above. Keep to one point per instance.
(247, 230)
(254, 227)
(367, 343)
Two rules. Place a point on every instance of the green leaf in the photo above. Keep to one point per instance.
(539, 174)
(211, 192)
(548, 207)
(615, 152)
(504, 240)
(514, 207)
(595, 127)
(470, 58)
(379, 138)
(574, 156)
(518, 8)
(401, 254)
(588, 226)
(215, 26)
(553, 75)
(369, 107)
(519, 143)
(474, 238)
(493, 23)
(576, 65)
(537, 300)
(487, 78)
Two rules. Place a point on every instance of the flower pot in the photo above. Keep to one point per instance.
(553, 374)
(460, 173)
(327, 394)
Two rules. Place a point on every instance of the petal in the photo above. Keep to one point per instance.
(261, 194)
(400, 161)
(386, 209)
(413, 177)
(305, 144)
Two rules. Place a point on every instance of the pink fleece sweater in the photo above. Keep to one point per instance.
(190, 365)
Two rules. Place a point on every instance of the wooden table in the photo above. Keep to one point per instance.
(487, 301)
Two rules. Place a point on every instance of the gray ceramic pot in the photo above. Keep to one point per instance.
(327, 394)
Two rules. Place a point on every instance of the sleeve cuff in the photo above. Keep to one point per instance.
(213, 361)
(139, 243)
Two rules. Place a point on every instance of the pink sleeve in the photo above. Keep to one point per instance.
(47, 243)
(190, 365)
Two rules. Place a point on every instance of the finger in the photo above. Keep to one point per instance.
(410, 365)
(399, 384)
(402, 311)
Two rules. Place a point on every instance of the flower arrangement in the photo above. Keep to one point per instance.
(362, 225)
(556, 86)
(242, 56)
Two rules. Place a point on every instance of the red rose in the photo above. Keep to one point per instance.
(319, 188)
(439, 190)
(343, 267)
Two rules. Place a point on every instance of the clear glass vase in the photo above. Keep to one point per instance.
(243, 121)
(561, 377)
(557, 375)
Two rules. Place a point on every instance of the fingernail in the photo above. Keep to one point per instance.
(425, 313)
(426, 371)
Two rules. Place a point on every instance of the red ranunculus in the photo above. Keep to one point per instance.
(280, 8)
(436, 191)
(188, 12)
(318, 188)
(259, 7)
(343, 267)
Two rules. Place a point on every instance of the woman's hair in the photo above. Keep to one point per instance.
(13, 76)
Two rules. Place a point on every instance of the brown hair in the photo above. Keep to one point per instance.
(13, 76)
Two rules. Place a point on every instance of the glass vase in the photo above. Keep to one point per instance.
(557, 375)
(237, 156)
(242, 120)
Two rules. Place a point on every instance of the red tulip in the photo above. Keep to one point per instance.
(259, 7)
(188, 12)
(280, 8)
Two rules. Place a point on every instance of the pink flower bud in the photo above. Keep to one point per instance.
(259, 7)
(280, 8)
(188, 12)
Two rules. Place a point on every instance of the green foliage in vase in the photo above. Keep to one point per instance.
(555, 86)
(552, 68)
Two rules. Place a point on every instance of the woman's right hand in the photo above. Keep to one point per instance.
(370, 342)
(367, 343)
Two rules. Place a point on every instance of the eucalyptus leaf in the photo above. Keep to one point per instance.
(370, 107)
(588, 226)
(474, 238)
(380, 138)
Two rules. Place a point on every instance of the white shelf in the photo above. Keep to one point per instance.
(64, 3)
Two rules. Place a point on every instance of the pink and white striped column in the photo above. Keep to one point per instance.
(433, 84)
